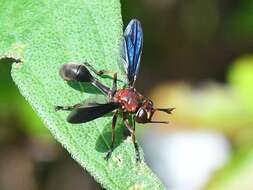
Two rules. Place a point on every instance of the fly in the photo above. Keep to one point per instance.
(128, 100)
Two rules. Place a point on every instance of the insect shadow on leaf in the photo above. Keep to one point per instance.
(104, 140)
(84, 87)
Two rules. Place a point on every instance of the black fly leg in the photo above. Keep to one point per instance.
(132, 131)
(114, 119)
(67, 108)
(114, 84)
(99, 72)
(105, 72)
(136, 146)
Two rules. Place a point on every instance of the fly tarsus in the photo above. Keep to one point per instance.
(137, 152)
(66, 108)
(109, 153)
(132, 131)
(99, 72)
(114, 84)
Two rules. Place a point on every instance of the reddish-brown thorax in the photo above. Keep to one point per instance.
(130, 99)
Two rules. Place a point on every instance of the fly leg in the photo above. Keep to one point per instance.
(114, 119)
(132, 131)
(105, 72)
(136, 146)
(99, 72)
(114, 84)
(67, 108)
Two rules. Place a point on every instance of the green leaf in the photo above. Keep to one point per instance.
(46, 34)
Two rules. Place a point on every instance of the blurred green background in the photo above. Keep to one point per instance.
(198, 57)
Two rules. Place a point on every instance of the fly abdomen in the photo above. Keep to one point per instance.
(75, 72)
(78, 72)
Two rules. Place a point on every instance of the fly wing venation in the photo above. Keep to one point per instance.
(132, 50)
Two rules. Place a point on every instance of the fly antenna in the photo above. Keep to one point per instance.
(163, 122)
(166, 110)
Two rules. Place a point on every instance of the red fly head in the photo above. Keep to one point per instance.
(146, 112)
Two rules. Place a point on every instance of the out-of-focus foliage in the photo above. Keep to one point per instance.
(211, 105)
(238, 174)
(239, 25)
(226, 108)
(13, 105)
(241, 79)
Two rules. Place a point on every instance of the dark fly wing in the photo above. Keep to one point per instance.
(90, 112)
(132, 50)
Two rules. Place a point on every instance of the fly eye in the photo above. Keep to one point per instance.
(141, 116)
